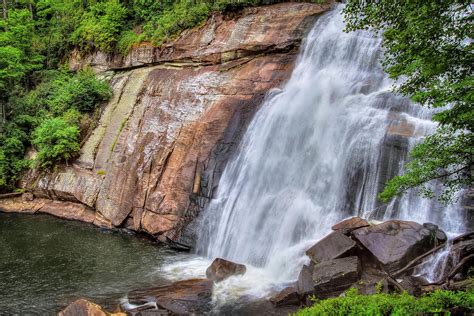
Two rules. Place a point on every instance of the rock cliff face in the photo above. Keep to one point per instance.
(177, 114)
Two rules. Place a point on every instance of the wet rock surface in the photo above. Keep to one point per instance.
(287, 296)
(221, 269)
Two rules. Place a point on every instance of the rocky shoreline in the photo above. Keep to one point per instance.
(370, 256)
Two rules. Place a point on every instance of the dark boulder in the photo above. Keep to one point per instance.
(371, 281)
(440, 235)
(288, 296)
(332, 277)
(335, 245)
(221, 269)
(394, 243)
(304, 286)
(413, 284)
(350, 224)
(183, 297)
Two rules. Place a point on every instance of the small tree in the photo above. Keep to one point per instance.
(56, 141)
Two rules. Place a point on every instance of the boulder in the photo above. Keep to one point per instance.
(183, 297)
(221, 269)
(288, 296)
(394, 243)
(332, 277)
(83, 307)
(304, 286)
(350, 224)
(371, 281)
(334, 245)
(413, 284)
(440, 235)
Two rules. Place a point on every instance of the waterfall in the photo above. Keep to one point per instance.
(318, 150)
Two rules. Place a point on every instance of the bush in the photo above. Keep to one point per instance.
(127, 40)
(62, 91)
(12, 161)
(438, 302)
(56, 141)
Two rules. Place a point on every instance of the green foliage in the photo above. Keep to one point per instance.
(126, 41)
(427, 48)
(182, 15)
(100, 26)
(438, 302)
(48, 117)
(17, 56)
(56, 140)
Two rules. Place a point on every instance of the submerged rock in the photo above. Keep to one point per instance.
(394, 243)
(83, 307)
(221, 269)
(183, 297)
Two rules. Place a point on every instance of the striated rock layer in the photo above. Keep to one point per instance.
(177, 114)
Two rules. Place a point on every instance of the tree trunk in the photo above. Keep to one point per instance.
(5, 9)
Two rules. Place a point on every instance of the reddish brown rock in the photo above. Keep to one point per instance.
(221, 269)
(288, 296)
(66, 210)
(83, 307)
(334, 245)
(350, 224)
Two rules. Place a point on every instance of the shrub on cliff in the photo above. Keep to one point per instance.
(438, 302)
(55, 140)
(48, 117)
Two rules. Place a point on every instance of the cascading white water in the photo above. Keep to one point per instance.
(318, 150)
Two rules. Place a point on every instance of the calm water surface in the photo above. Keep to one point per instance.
(46, 263)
